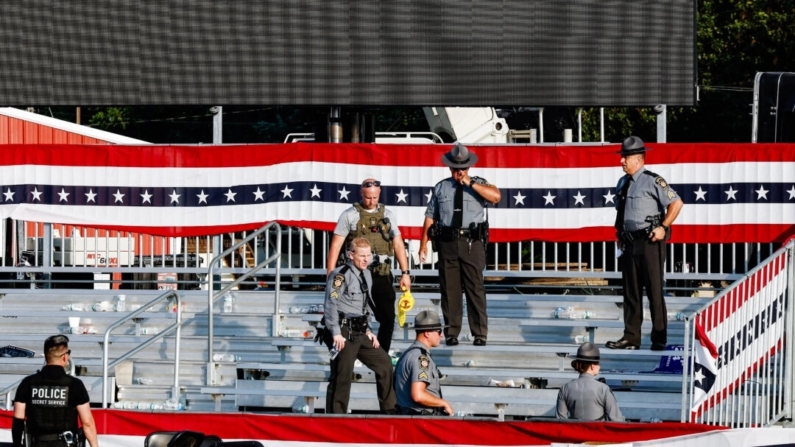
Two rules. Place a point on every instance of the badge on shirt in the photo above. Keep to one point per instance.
(424, 362)
(661, 181)
(422, 376)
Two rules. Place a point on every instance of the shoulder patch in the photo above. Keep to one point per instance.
(661, 182)
(481, 181)
(671, 194)
(422, 376)
(339, 280)
(334, 294)
(424, 362)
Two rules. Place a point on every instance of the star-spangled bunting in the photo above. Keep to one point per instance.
(705, 368)
(748, 194)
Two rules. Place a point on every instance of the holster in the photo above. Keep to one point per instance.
(356, 324)
(324, 335)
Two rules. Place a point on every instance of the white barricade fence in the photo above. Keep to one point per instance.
(741, 355)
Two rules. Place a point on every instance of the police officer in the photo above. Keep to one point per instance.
(372, 221)
(456, 211)
(347, 317)
(585, 398)
(51, 402)
(646, 207)
(416, 377)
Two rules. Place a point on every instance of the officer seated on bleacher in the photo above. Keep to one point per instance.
(416, 376)
(586, 398)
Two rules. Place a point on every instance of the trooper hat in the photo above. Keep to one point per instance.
(587, 352)
(459, 157)
(427, 320)
(633, 145)
(55, 340)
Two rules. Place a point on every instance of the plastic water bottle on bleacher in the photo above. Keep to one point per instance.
(172, 405)
(572, 313)
(229, 304)
(79, 307)
(676, 316)
(226, 358)
(580, 339)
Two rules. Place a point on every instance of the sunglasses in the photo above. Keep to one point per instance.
(459, 169)
(371, 184)
(438, 331)
(69, 352)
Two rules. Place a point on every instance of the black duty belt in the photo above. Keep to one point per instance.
(48, 438)
(356, 324)
(455, 232)
(420, 411)
(629, 237)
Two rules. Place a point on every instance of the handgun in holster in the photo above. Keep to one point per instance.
(324, 335)
(433, 234)
(656, 221)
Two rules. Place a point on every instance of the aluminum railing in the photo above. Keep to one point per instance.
(212, 295)
(176, 326)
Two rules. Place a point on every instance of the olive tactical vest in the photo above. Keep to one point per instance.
(372, 227)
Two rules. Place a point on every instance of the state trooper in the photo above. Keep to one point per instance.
(416, 376)
(50, 402)
(457, 218)
(586, 398)
(646, 207)
(347, 313)
(374, 222)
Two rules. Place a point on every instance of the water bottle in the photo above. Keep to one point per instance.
(295, 309)
(101, 306)
(676, 316)
(228, 304)
(469, 362)
(462, 414)
(121, 303)
(149, 330)
(580, 339)
(467, 337)
(651, 420)
(79, 307)
(301, 409)
(143, 381)
(155, 406)
(172, 405)
(292, 333)
(226, 358)
(332, 354)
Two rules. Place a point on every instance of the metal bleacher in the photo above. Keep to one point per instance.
(515, 376)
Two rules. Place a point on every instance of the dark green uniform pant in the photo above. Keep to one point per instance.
(458, 266)
(358, 346)
(642, 265)
(384, 296)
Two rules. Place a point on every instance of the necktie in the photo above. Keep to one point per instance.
(622, 205)
(458, 207)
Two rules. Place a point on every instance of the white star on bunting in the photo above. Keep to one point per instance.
(174, 196)
(36, 194)
(428, 196)
(315, 191)
(146, 197)
(549, 199)
(609, 198)
(119, 196)
(91, 196)
(762, 193)
(700, 194)
(519, 198)
(791, 193)
(202, 196)
(287, 192)
(9, 195)
(258, 194)
(579, 198)
(731, 194)
(343, 193)
(401, 196)
(63, 196)
(230, 196)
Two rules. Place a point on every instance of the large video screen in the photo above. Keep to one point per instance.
(348, 52)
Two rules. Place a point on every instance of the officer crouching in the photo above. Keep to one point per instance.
(51, 402)
(416, 375)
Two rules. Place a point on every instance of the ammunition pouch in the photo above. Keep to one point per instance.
(381, 267)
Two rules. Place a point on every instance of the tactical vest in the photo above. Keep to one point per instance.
(372, 227)
(48, 411)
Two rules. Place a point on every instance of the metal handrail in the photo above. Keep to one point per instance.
(210, 379)
(7, 391)
(175, 326)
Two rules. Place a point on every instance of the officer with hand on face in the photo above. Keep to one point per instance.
(347, 316)
(51, 402)
(457, 216)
